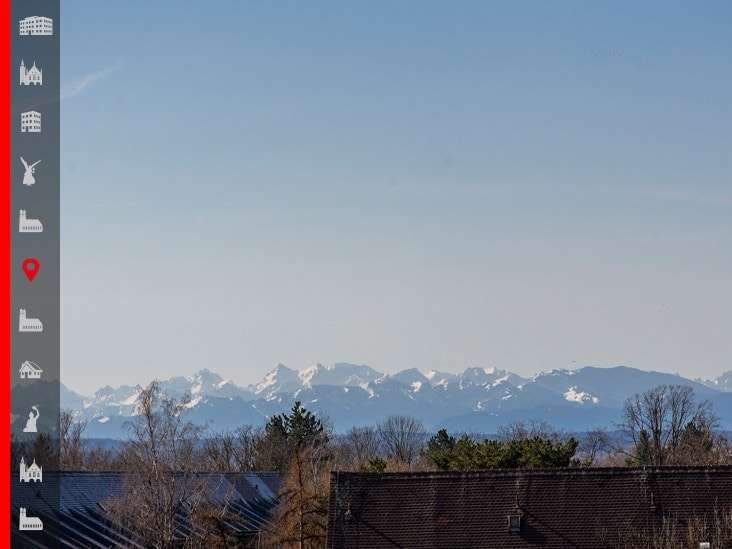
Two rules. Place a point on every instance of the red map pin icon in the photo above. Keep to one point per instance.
(31, 266)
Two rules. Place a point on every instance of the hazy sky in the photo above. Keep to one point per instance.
(402, 184)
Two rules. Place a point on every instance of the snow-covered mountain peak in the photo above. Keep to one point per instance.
(340, 374)
(722, 382)
(411, 377)
(478, 399)
(280, 379)
(554, 372)
(487, 378)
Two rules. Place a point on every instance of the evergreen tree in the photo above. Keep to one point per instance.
(466, 454)
(644, 451)
(440, 449)
(285, 434)
(302, 427)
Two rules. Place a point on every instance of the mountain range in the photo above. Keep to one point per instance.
(477, 400)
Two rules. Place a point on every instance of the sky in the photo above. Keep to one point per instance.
(400, 184)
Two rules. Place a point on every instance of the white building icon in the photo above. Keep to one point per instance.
(34, 473)
(30, 122)
(29, 225)
(29, 523)
(36, 25)
(30, 370)
(32, 325)
(32, 76)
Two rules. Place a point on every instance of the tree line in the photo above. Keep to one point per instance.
(164, 455)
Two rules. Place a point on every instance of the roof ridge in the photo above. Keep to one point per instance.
(549, 471)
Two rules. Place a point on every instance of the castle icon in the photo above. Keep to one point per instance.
(30, 122)
(29, 225)
(32, 76)
(26, 324)
(29, 523)
(34, 473)
(30, 370)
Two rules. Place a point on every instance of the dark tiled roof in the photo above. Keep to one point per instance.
(79, 519)
(560, 508)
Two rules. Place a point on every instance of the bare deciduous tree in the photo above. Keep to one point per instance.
(402, 438)
(362, 445)
(657, 420)
(70, 440)
(714, 528)
(160, 482)
(520, 430)
(593, 444)
(231, 451)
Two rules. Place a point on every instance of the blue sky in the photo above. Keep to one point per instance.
(403, 184)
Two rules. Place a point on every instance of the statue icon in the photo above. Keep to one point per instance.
(30, 425)
(30, 169)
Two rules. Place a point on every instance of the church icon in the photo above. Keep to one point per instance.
(29, 523)
(29, 225)
(27, 324)
(30, 370)
(32, 76)
(32, 473)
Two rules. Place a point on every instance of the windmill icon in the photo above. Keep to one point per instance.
(30, 170)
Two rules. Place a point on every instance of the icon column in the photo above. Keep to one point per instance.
(35, 286)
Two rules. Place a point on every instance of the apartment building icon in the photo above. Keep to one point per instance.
(30, 122)
(36, 25)
(32, 76)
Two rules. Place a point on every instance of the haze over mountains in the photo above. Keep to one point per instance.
(476, 400)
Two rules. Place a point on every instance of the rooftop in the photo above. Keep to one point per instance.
(80, 518)
(558, 508)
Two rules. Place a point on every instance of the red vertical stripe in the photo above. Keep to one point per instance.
(5, 84)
